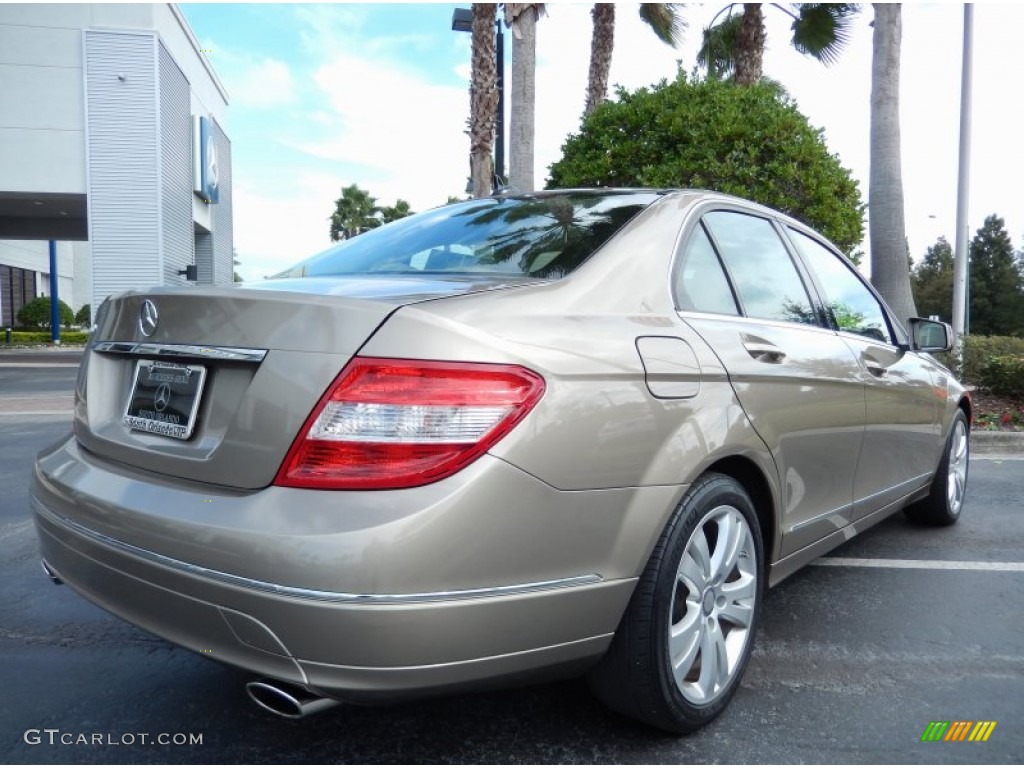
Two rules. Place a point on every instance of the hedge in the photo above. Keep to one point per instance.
(979, 351)
(43, 337)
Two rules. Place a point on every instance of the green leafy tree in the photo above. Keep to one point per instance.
(997, 293)
(354, 212)
(36, 314)
(932, 282)
(83, 315)
(751, 142)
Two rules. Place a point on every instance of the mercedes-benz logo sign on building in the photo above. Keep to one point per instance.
(212, 171)
(148, 318)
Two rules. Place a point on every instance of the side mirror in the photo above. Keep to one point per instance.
(930, 335)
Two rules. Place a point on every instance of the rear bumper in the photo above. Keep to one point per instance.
(116, 537)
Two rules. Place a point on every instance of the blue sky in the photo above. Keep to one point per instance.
(322, 96)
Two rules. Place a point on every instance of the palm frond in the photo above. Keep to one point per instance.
(665, 20)
(822, 30)
(717, 52)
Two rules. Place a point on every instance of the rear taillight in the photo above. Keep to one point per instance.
(402, 423)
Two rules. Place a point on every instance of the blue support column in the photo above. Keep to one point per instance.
(54, 298)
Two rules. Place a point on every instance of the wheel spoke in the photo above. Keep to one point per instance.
(714, 660)
(739, 606)
(961, 444)
(727, 549)
(691, 575)
(684, 642)
(698, 550)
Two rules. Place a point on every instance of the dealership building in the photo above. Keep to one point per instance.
(113, 147)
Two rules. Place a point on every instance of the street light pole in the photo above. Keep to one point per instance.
(960, 258)
(499, 138)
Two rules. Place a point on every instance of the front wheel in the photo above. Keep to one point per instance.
(945, 500)
(685, 640)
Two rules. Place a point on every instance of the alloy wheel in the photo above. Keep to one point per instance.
(958, 456)
(712, 607)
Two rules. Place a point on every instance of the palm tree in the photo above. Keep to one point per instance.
(736, 45)
(354, 212)
(522, 19)
(399, 210)
(889, 271)
(665, 21)
(483, 99)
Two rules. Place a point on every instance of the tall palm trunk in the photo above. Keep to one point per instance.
(601, 46)
(522, 17)
(890, 272)
(483, 99)
(750, 41)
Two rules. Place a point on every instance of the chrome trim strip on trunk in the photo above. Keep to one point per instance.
(147, 348)
(310, 594)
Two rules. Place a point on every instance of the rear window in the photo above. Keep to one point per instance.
(547, 236)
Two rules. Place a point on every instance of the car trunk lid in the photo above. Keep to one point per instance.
(249, 363)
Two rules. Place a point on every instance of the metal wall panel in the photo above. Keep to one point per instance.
(221, 217)
(204, 258)
(176, 169)
(124, 165)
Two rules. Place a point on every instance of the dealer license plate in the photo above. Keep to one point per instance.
(165, 398)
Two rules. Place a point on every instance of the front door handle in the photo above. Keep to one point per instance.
(874, 367)
(763, 351)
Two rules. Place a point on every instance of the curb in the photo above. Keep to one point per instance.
(985, 442)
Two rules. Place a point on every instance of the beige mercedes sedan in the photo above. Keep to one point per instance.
(504, 440)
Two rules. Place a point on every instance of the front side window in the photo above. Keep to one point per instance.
(547, 236)
(854, 308)
(765, 277)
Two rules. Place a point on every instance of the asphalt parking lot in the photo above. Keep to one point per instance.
(855, 657)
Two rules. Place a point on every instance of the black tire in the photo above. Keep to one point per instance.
(636, 677)
(945, 500)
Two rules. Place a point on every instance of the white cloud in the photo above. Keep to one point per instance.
(262, 84)
(405, 133)
(274, 231)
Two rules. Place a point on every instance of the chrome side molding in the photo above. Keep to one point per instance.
(311, 594)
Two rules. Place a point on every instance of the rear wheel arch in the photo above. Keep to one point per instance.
(755, 483)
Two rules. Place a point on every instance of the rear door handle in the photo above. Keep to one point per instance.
(763, 351)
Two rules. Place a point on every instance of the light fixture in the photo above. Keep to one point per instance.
(462, 20)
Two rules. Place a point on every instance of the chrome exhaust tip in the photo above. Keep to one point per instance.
(50, 573)
(287, 700)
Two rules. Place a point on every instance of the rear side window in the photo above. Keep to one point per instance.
(701, 284)
(764, 275)
(545, 236)
(854, 308)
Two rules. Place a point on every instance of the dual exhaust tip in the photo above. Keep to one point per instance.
(287, 700)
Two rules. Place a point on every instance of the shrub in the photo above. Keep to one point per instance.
(1004, 375)
(82, 316)
(43, 337)
(752, 142)
(36, 314)
(979, 351)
